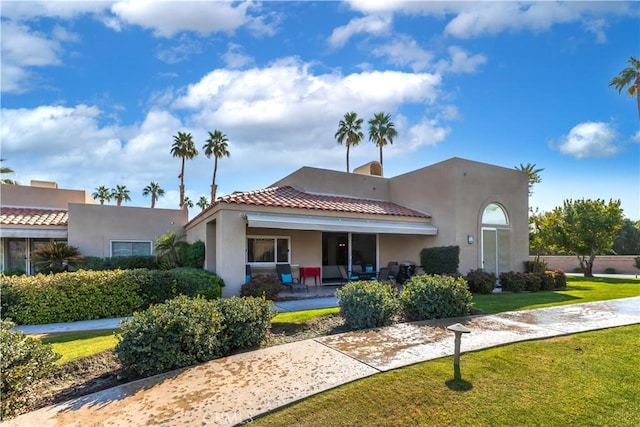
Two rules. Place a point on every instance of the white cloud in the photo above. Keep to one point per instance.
(405, 51)
(636, 137)
(25, 10)
(182, 51)
(167, 18)
(590, 139)
(460, 61)
(371, 24)
(428, 132)
(235, 57)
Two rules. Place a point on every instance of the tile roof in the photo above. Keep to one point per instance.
(289, 197)
(29, 216)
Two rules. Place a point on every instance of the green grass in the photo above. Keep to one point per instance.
(588, 379)
(579, 290)
(75, 345)
(299, 317)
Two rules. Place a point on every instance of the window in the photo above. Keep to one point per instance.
(494, 214)
(123, 248)
(267, 249)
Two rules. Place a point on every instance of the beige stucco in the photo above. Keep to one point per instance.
(92, 227)
(49, 197)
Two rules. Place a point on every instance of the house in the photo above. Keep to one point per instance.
(313, 217)
(41, 213)
(327, 219)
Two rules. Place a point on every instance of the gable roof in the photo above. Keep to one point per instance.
(33, 217)
(289, 197)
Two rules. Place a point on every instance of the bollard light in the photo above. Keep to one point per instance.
(458, 329)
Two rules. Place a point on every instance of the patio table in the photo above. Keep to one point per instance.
(310, 272)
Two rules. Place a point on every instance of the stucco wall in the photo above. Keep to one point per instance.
(623, 264)
(41, 197)
(93, 227)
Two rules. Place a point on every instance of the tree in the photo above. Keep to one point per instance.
(629, 78)
(184, 148)
(155, 191)
(349, 132)
(168, 249)
(217, 146)
(55, 257)
(120, 194)
(102, 193)
(188, 202)
(627, 241)
(382, 131)
(4, 170)
(585, 228)
(532, 173)
(203, 203)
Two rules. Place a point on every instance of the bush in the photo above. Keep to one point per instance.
(535, 266)
(560, 279)
(185, 331)
(14, 271)
(512, 281)
(610, 270)
(196, 282)
(435, 297)
(24, 361)
(118, 263)
(532, 282)
(547, 281)
(481, 282)
(268, 286)
(367, 304)
(194, 255)
(440, 260)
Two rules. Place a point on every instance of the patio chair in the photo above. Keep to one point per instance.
(384, 274)
(394, 269)
(287, 279)
(346, 277)
(247, 272)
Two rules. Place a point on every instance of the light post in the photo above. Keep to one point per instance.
(458, 329)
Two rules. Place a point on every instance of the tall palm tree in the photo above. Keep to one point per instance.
(188, 202)
(349, 132)
(630, 77)
(156, 192)
(120, 194)
(4, 170)
(382, 131)
(532, 173)
(203, 203)
(216, 145)
(184, 148)
(102, 193)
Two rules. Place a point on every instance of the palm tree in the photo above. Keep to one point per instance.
(630, 77)
(532, 173)
(120, 193)
(55, 257)
(102, 193)
(168, 248)
(156, 192)
(184, 148)
(203, 203)
(382, 131)
(4, 170)
(188, 202)
(216, 145)
(349, 132)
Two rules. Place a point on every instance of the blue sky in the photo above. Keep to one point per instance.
(93, 92)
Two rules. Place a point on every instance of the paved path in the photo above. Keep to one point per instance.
(227, 391)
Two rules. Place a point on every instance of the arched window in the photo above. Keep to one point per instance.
(495, 215)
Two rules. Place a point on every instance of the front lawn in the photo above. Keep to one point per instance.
(579, 290)
(75, 345)
(584, 379)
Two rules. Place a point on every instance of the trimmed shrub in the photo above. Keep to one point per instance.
(481, 282)
(367, 304)
(194, 255)
(24, 361)
(118, 263)
(440, 260)
(560, 279)
(13, 271)
(185, 331)
(547, 281)
(435, 297)
(532, 282)
(268, 286)
(512, 281)
(196, 282)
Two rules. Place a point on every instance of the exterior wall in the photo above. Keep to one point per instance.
(92, 227)
(399, 248)
(455, 192)
(322, 181)
(41, 197)
(230, 244)
(623, 264)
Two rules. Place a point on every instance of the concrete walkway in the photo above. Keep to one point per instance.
(229, 390)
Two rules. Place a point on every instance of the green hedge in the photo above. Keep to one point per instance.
(367, 304)
(119, 263)
(440, 260)
(85, 295)
(185, 331)
(435, 297)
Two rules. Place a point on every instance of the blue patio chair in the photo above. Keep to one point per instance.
(287, 279)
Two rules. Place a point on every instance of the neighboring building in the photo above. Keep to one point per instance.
(310, 218)
(323, 218)
(42, 213)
